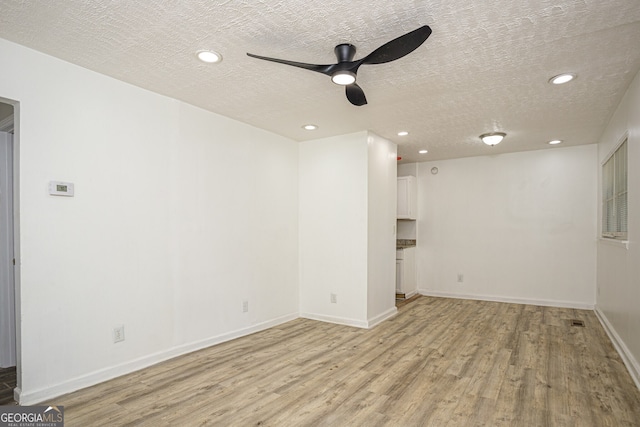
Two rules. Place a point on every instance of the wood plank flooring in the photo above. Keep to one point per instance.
(7, 384)
(439, 362)
(401, 302)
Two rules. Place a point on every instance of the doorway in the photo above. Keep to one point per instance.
(8, 348)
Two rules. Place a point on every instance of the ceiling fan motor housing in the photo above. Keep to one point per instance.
(345, 52)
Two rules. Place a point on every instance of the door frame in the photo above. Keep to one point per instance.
(7, 284)
(13, 126)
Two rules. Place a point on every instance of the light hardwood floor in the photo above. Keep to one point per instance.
(439, 362)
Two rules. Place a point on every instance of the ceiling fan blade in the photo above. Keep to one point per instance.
(324, 69)
(355, 95)
(397, 48)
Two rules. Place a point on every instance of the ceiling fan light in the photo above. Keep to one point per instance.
(493, 138)
(343, 78)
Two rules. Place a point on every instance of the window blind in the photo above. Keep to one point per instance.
(614, 194)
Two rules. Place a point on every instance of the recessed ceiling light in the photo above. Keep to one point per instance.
(562, 78)
(555, 142)
(493, 138)
(343, 78)
(310, 127)
(403, 133)
(209, 56)
(423, 151)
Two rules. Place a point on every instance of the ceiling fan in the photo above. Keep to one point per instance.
(344, 72)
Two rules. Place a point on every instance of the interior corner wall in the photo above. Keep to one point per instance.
(381, 243)
(179, 216)
(514, 227)
(333, 229)
(618, 281)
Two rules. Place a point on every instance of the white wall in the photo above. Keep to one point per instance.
(179, 216)
(347, 240)
(519, 227)
(407, 169)
(618, 300)
(382, 198)
(333, 228)
(407, 229)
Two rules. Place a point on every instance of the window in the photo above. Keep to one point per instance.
(614, 194)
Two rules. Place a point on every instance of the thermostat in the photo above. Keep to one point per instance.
(58, 188)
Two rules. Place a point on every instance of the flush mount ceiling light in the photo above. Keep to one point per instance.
(310, 127)
(555, 142)
(403, 133)
(423, 151)
(562, 78)
(343, 78)
(209, 56)
(493, 138)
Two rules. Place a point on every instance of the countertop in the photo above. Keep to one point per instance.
(405, 243)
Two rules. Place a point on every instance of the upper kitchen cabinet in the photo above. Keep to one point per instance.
(407, 198)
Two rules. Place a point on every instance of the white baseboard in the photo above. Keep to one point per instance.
(382, 317)
(335, 319)
(493, 298)
(48, 393)
(629, 361)
(352, 322)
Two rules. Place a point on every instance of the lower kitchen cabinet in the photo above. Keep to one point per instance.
(406, 275)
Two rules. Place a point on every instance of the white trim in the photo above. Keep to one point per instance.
(545, 303)
(106, 374)
(627, 357)
(408, 295)
(8, 350)
(613, 242)
(337, 320)
(6, 124)
(621, 141)
(375, 321)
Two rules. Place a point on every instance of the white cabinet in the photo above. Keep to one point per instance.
(406, 275)
(407, 198)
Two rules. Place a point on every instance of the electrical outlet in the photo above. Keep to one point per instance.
(334, 299)
(460, 277)
(118, 333)
(245, 306)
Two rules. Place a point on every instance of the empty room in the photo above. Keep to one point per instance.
(332, 213)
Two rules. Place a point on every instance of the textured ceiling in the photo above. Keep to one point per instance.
(485, 67)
